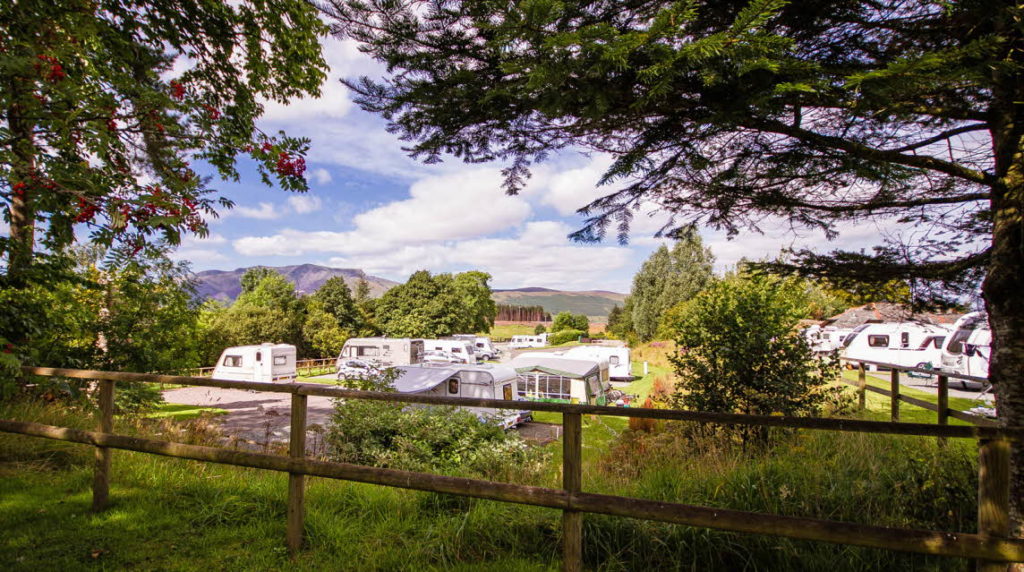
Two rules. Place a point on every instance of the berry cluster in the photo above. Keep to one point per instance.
(288, 166)
(212, 112)
(19, 190)
(86, 211)
(177, 90)
(53, 73)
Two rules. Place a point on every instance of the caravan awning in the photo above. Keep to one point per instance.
(414, 379)
(565, 367)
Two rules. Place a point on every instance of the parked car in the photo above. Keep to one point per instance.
(356, 369)
(441, 356)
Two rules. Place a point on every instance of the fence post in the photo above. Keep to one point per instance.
(572, 482)
(993, 495)
(894, 382)
(943, 404)
(862, 381)
(101, 470)
(297, 482)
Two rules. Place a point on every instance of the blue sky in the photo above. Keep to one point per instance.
(372, 207)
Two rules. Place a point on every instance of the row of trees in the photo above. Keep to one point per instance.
(269, 310)
(513, 313)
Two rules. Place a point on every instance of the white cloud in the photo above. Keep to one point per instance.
(321, 176)
(569, 190)
(443, 208)
(303, 204)
(540, 255)
(265, 211)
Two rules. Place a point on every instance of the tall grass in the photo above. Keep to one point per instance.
(180, 515)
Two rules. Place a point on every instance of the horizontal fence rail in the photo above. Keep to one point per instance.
(991, 547)
(941, 408)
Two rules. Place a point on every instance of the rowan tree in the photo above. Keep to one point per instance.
(104, 106)
(735, 114)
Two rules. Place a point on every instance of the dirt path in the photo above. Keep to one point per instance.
(255, 416)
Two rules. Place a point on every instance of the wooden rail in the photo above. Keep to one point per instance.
(991, 546)
(941, 407)
(313, 367)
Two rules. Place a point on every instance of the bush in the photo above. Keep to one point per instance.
(428, 439)
(565, 336)
(739, 352)
(540, 329)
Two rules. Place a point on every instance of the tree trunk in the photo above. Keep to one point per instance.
(22, 233)
(1003, 288)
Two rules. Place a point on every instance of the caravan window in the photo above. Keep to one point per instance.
(878, 341)
(259, 356)
(613, 360)
(280, 360)
(232, 361)
(453, 385)
(506, 392)
(367, 351)
(905, 339)
(455, 350)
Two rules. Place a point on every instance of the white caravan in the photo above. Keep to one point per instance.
(537, 341)
(267, 363)
(488, 381)
(908, 344)
(463, 350)
(619, 366)
(484, 348)
(968, 350)
(825, 340)
(382, 352)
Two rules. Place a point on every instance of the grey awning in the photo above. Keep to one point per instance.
(414, 379)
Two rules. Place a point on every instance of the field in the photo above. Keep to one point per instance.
(171, 514)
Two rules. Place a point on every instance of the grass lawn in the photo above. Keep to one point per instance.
(182, 412)
(503, 331)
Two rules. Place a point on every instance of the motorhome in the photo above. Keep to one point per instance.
(560, 379)
(908, 344)
(464, 350)
(487, 381)
(267, 363)
(967, 351)
(536, 341)
(619, 366)
(484, 348)
(382, 352)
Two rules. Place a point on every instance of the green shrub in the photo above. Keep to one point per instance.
(428, 439)
(565, 336)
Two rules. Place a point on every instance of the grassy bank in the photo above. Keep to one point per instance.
(179, 515)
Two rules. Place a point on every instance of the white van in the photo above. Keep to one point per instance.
(909, 344)
(382, 352)
(462, 350)
(484, 348)
(267, 363)
(537, 341)
(488, 381)
(969, 348)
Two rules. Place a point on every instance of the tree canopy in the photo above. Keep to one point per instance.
(105, 104)
(429, 306)
(738, 114)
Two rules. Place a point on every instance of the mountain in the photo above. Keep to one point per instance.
(227, 284)
(594, 303)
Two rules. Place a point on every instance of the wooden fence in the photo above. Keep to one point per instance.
(941, 407)
(990, 546)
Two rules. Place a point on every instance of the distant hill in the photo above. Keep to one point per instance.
(226, 285)
(594, 303)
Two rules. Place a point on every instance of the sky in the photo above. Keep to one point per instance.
(373, 208)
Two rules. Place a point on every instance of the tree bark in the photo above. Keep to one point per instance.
(1003, 288)
(22, 232)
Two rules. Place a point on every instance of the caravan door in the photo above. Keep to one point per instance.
(259, 369)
